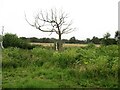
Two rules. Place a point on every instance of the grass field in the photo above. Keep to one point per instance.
(75, 67)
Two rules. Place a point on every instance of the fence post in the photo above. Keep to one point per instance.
(1, 37)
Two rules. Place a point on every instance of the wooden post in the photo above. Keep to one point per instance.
(1, 42)
(56, 46)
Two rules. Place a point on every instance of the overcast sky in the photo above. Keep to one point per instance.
(90, 17)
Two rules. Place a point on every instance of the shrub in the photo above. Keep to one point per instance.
(65, 59)
(91, 45)
(108, 41)
(14, 57)
(12, 40)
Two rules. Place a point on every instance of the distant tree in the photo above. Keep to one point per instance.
(106, 36)
(72, 40)
(24, 38)
(106, 40)
(65, 40)
(95, 40)
(82, 42)
(53, 21)
(117, 35)
(33, 39)
(88, 40)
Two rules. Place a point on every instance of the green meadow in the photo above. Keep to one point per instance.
(74, 67)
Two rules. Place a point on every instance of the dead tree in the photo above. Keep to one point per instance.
(52, 21)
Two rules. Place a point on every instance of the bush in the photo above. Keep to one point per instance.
(12, 40)
(65, 59)
(16, 57)
(108, 41)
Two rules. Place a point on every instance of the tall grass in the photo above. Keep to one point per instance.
(88, 66)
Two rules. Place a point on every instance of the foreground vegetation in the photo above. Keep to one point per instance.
(74, 67)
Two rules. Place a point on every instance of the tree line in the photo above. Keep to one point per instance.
(106, 40)
(52, 40)
(12, 40)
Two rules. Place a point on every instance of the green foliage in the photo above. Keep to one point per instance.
(107, 35)
(73, 68)
(108, 41)
(90, 46)
(12, 40)
(72, 40)
(14, 57)
(65, 59)
(95, 40)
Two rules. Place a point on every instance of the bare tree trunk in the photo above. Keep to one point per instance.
(59, 43)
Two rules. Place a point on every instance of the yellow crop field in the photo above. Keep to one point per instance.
(64, 45)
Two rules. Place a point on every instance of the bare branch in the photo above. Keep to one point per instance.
(67, 28)
(69, 31)
(62, 17)
(27, 20)
(51, 22)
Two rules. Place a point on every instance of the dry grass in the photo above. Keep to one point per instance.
(74, 45)
(64, 45)
(43, 44)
